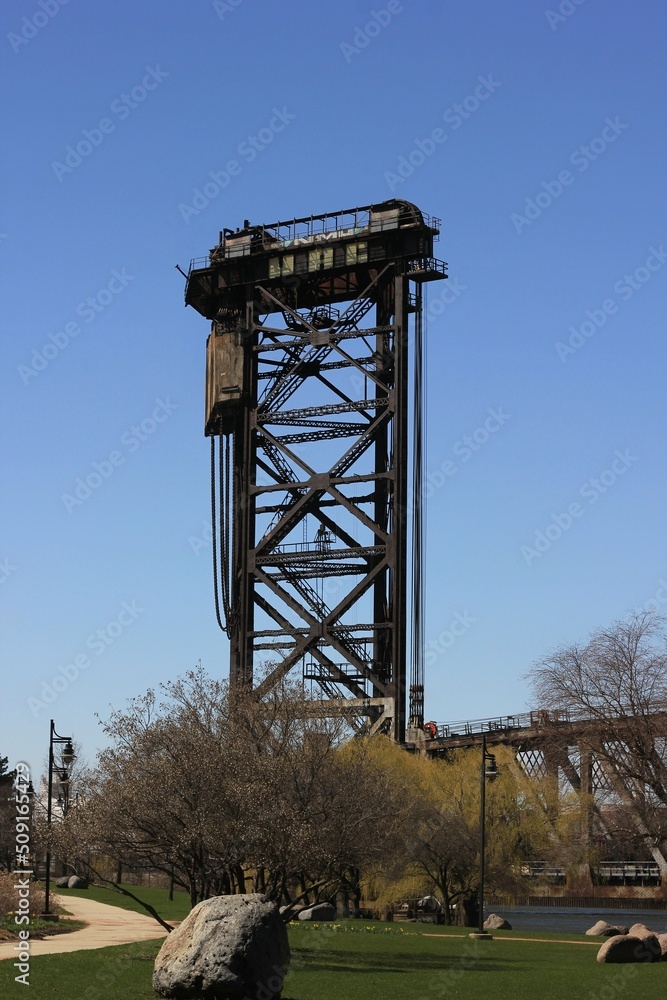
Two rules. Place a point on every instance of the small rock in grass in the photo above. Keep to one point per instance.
(322, 911)
(494, 922)
(640, 930)
(629, 948)
(77, 883)
(662, 940)
(603, 929)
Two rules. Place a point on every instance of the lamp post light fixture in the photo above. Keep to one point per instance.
(67, 757)
(31, 858)
(489, 771)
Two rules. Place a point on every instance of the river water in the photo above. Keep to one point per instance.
(577, 920)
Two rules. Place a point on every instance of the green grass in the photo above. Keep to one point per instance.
(412, 966)
(384, 963)
(103, 974)
(41, 928)
(177, 909)
(456, 931)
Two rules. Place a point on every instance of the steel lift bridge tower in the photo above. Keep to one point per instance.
(314, 363)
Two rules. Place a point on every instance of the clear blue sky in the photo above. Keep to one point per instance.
(549, 178)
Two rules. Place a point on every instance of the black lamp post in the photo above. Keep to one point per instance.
(31, 859)
(489, 771)
(67, 757)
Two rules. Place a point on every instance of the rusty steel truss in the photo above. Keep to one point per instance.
(581, 755)
(314, 365)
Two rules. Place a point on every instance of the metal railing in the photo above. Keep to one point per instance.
(197, 263)
(534, 719)
(503, 723)
(604, 873)
(348, 223)
(417, 265)
(629, 872)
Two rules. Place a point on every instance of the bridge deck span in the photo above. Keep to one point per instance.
(528, 729)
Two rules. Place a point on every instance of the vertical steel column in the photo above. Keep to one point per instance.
(400, 510)
(586, 792)
(241, 651)
(382, 642)
(552, 757)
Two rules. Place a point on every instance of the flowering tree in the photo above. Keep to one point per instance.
(229, 794)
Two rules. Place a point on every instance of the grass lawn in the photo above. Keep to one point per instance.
(177, 909)
(42, 928)
(384, 963)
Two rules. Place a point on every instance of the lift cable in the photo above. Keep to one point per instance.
(224, 512)
(214, 541)
(221, 515)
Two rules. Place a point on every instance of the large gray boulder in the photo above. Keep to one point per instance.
(321, 911)
(77, 883)
(603, 929)
(630, 948)
(494, 922)
(227, 948)
(63, 883)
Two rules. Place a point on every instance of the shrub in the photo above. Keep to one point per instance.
(9, 898)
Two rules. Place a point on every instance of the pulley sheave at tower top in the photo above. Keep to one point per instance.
(311, 511)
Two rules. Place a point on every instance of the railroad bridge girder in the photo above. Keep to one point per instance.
(572, 755)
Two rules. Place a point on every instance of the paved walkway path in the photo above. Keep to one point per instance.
(107, 925)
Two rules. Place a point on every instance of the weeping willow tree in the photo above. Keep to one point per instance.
(440, 849)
